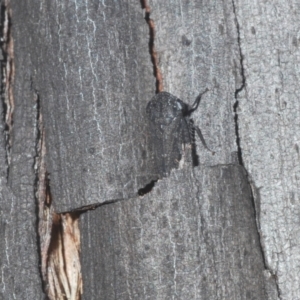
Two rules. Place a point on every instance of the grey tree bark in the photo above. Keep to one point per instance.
(76, 79)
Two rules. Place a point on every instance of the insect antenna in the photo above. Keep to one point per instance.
(197, 101)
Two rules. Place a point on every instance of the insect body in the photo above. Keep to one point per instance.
(172, 130)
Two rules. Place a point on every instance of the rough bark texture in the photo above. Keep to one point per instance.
(147, 250)
(93, 73)
(268, 120)
(101, 98)
(196, 46)
(193, 237)
(86, 66)
(20, 275)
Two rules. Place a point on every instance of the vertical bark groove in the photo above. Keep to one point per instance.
(58, 234)
(8, 72)
(236, 104)
(156, 70)
(240, 156)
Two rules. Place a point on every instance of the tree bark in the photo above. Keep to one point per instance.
(269, 129)
(93, 104)
(20, 271)
(193, 237)
(76, 146)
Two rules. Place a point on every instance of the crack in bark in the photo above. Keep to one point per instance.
(237, 91)
(64, 276)
(40, 189)
(147, 188)
(154, 59)
(86, 208)
(7, 74)
(58, 234)
(240, 156)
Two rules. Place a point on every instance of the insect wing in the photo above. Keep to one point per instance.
(165, 116)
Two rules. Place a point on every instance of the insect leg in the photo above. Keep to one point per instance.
(202, 139)
(186, 131)
(186, 143)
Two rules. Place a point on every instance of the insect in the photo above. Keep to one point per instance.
(172, 131)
